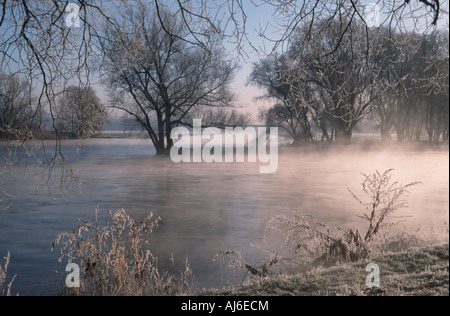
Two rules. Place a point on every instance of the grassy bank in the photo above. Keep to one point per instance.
(423, 272)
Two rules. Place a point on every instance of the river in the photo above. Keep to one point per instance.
(205, 208)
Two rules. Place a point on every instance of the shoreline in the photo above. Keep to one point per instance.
(418, 272)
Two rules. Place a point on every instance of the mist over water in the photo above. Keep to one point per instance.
(207, 208)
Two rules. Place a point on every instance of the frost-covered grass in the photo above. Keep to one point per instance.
(321, 260)
(311, 243)
(5, 289)
(114, 262)
(420, 272)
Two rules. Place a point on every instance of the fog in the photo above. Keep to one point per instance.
(207, 208)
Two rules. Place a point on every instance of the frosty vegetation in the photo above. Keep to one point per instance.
(165, 63)
(5, 288)
(378, 78)
(311, 243)
(114, 261)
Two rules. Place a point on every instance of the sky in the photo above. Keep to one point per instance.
(259, 17)
(246, 93)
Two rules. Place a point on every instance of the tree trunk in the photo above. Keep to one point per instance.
(160, 142)
(386, 136)
(168, 135)
(159, 146)
(325, 135)
(343, 133)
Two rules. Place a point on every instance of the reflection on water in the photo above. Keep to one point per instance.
(205, 208)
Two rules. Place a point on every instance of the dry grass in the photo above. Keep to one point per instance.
(311, 243)
(113, 261)
(421, 272)
(3, 276)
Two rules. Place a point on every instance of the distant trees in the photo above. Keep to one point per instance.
(316, 85)
(35, 40)
(414, 81)
(80, 113)
(293, 109)
(16, 107)
(333, 82)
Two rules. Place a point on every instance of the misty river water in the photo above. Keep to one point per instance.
(205, 208)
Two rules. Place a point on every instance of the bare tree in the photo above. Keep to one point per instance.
(80, 112)
(16, 106)
(312, 83)
(284, 117)
(347, 76)
(162, 79)
(414, 86)
(293, 110)
(435, 85)
(223, 117)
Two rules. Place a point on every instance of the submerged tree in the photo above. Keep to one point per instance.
(159, 79)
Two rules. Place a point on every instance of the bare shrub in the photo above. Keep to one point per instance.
(234, 260)
(385, 198)
(3, 275)
(113, 261)
(312, 243)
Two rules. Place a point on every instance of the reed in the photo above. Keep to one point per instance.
(113, 261)
(3, 277)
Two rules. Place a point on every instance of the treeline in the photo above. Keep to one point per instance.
(329, 82)
(17, 114)
(333, 77)
(78, 113)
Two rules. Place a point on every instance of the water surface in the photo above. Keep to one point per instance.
(205, 208)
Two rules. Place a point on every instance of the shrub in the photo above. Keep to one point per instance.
(385, 198)
(313, 243)
(113, 261)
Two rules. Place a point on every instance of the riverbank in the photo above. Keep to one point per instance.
(420, 272)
